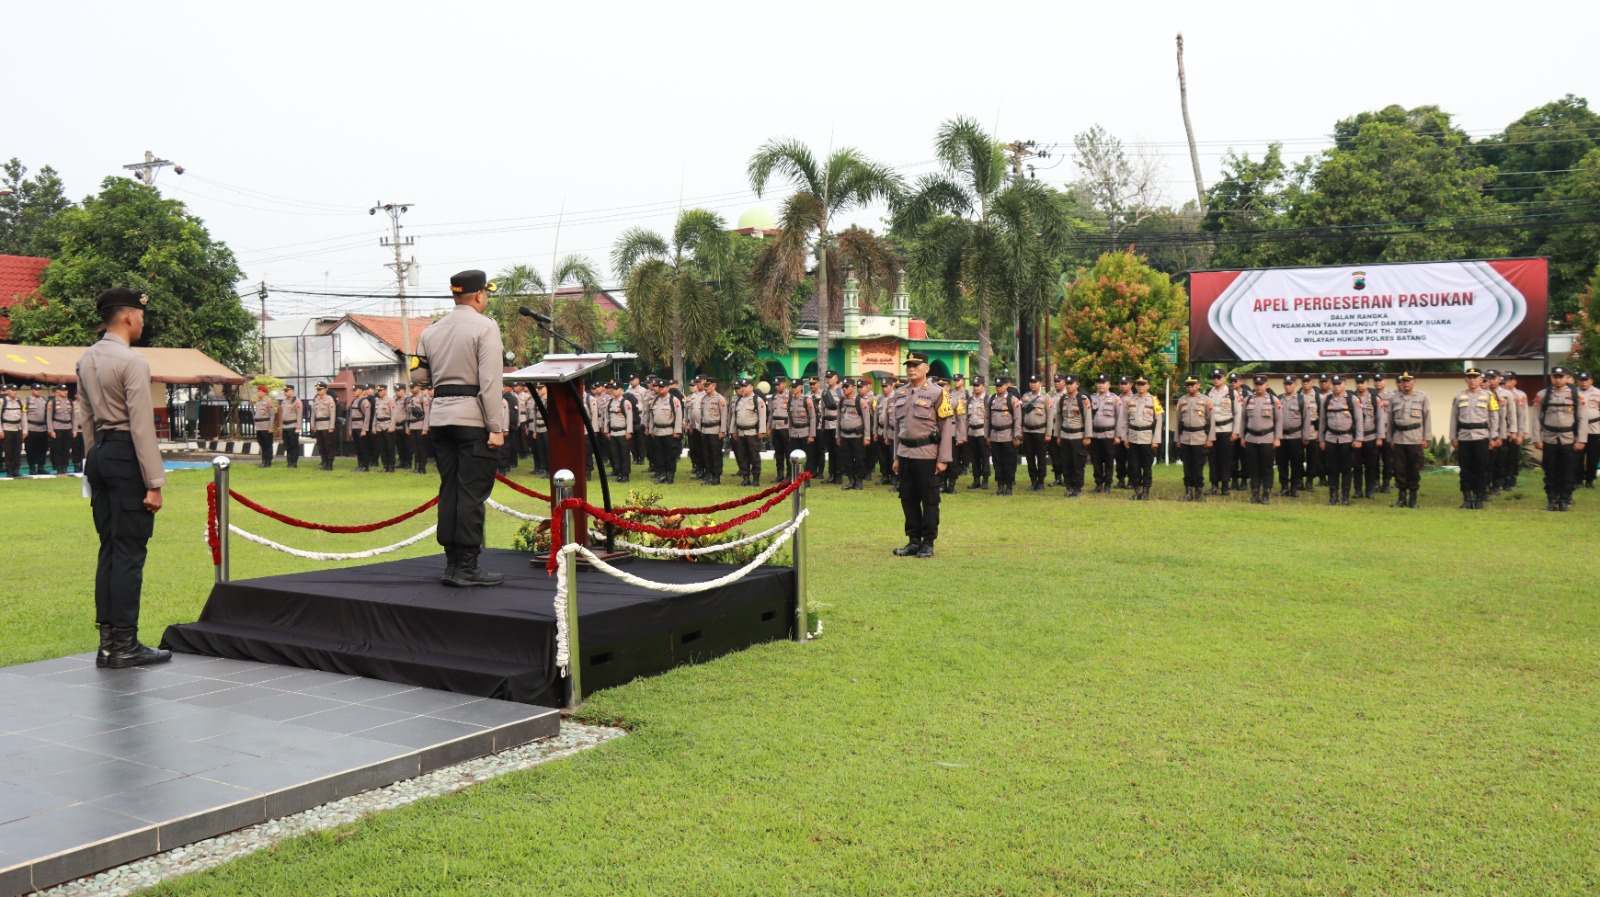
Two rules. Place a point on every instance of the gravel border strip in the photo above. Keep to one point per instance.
(140, 874)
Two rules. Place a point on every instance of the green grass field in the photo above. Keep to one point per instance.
(1092, 696)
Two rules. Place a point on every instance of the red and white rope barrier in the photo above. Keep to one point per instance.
(674, 551)
(331, 555)
(563, 657)
(513, 512)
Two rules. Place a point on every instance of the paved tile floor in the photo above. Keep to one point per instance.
(100, 767)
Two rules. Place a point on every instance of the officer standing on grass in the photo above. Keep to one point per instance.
(1139, 422)
(13, 420)
(976, 427)
(290, 411)
(1195, 417)
(265, 414)
(324, 417)
(358, 425)
(1339, 437)
(1589, 460)
(1474, 434)
(1103, 432)
(1562, 437)
(1005, 413)
(617, 426)
(1223, 398)
(748, 415)
(63, 431)
(1073, 416)
(666, 431)
(1521, 430)
(1409, 418)
(1297, 431)
(1262, 419)
(924, 445)
(124, 472)
(462, 355)
(36, 437)
(1035, 432)
(777, 410)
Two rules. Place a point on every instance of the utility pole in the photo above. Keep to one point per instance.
(401, 265)
(145, 172)
(1028, 351)
(1194, 154)
(262, 293)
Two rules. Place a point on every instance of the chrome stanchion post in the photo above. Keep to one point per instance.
(219, 474)
(797, 466)
(564, 481)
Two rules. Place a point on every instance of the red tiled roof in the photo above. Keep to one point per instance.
(603, 299)
(387, 328)
(19, 277)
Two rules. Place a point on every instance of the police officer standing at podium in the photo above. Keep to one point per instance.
(462, 355)
(124, 472)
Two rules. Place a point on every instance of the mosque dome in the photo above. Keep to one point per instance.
(758, 217)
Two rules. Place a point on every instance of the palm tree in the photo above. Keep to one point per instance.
(672, 286)
(949, 212)
(521, 285)
(847, 180)
(1029, 239)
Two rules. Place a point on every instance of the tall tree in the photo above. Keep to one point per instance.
(846, 180)
(30, 210)
(127, 235)
(957, 252)
(1541, 146)
(1124, 188)
(1250, 197)
(1570, 235)
(1122, 313)
(672, 286)
(577, 319)
(1586, 349)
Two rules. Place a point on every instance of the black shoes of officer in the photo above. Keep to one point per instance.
(1400, 500)
(925, 550)
(103, 655)
(125, 651)
(467, 574)
(909, 549)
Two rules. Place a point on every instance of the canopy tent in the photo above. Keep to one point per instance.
(59, 364)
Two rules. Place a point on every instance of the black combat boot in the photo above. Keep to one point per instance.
(452, 565)
(1199, 494)
(925, 550)
(1385, 487)
(977, 482)
(1400, 500)
(125, 650)
(1333, 495)
(469, 574)
(103, 655)
(1266, 495)
(1466, 501)
(1413, 500)
(1344, 494)
(908, 550)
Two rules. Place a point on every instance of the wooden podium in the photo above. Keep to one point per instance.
(564, 377)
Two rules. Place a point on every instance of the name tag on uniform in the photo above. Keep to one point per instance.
(923, 403)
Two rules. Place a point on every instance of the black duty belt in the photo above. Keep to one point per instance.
(1333, 432)
(1403, 427)
(918, 443)
(112, 436)
(1255, 432)
(1463, 425)
(1144, 427)
(1224, 421)
(1185, 428)
(1105, 434)
(748, 431)
(455, 391)
(1072, 432)
(851, 432)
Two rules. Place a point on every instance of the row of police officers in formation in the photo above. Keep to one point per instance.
(39, 431)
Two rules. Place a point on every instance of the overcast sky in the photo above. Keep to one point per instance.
(293, 118)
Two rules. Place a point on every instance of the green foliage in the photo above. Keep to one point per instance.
(30, 211)
(1439, 452)
(679, 287)
(1117, 316)
(534, 537)
(579, 321)
(1546, 141)
(128, 235)
(1587, 346)
(1573, 248)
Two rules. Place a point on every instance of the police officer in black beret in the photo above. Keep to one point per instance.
(124, 472)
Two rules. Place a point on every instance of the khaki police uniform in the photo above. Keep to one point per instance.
(713, 420)
(1035, 435)
(975, 424)
(776, 404)
(1409, 425)
(1589, 462)
(1138, 423)
(264, 413)
(1341, 432)
(290, 412)
(63, 434)
(924, 438)
(666, 434)
(1299, 428)
(1374, 423)
(1004, 417)
(1474, 428)
(1261, 417)
(1194, 417)
(13, 424)
(1073, 418)
(1563, 420)
(1107, 407)
(1224, 401)
(618, 423)
(360, 422)
(801, 410)
(747, 414)
(324, 418)
(383, 431)
(853, 435)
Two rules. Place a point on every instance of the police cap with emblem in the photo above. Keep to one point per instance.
(1123, 380)
(1336, 379)
(467, 282)
(1361, 377)
(1216, 373)
(977, 381)
(1289, 378)
(1033, 378)
(1472, 372)
(1406, 375)
(1069, 379)
(1191, 380)
(1102, 379)
(1233, 378)
(1558, 371)
(1259, 379)
(1584, 375)
(120, 297)
(913, 359)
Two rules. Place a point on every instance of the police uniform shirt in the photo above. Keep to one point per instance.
(61, 416)
(38, 413)
(1138, 419)
(12, 417)
(1374, 413)
(959, 398)
(1072, 416)
(1035, 412)
(1524, 418)
(1194, 415)
(383, 415)
(713, 414)
(779, 410)
(855, 417)
(1409, 417)
(1262, 418)
(289, 412)
(1297, 416)
(691, 408)
(831, 397)
(1474, 416)
(1003, 410)
(977, 414)
(924, 424)
(618, 419)
(114, 394)
(749, 415)
(1341, 419)
(1561, 420)
(1591, 409)
(324, 411)
(358, 415)
(265, 414)
(1222, 403)
(1107, 409)
(463, 348)
(666, 416)
(802, 413)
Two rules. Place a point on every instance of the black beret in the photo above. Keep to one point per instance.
(471, 281)
(120, 297)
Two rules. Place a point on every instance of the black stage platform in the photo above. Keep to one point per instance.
(395, 621)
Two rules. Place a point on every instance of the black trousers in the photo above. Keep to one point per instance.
(403, 445)
(38, 448)
(1473, 456)
(1367, 466)
(1314, 465)
(638, 446)
(116, 489)
(1241, 459)
(12, 451)
(1591, 458)
(1386, 462)
(1004, 453)
(291, 447)
(853, 456)
(1291, 464)
(1122, 462)
(264, 440)
(1338, 462)
(60, 450)
(711, 454)
(1141, 456)
(1258, 462)
(384, 448)
(919, 498)
(667, 451)
(326, 448)
(541, 450)
(621, 456)
(421, 451)
(1560, 469)
(1194, 464)
(466, 476)
(506, 456)
(828, 453)
(1073, 453)
(363, 449)
(1057, 464)
(1033, 449)
(780, 454)
(747, 453)
(978, 455)
(1222, 459)
(692, 440)
(1104, 452)
(1407, 465)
